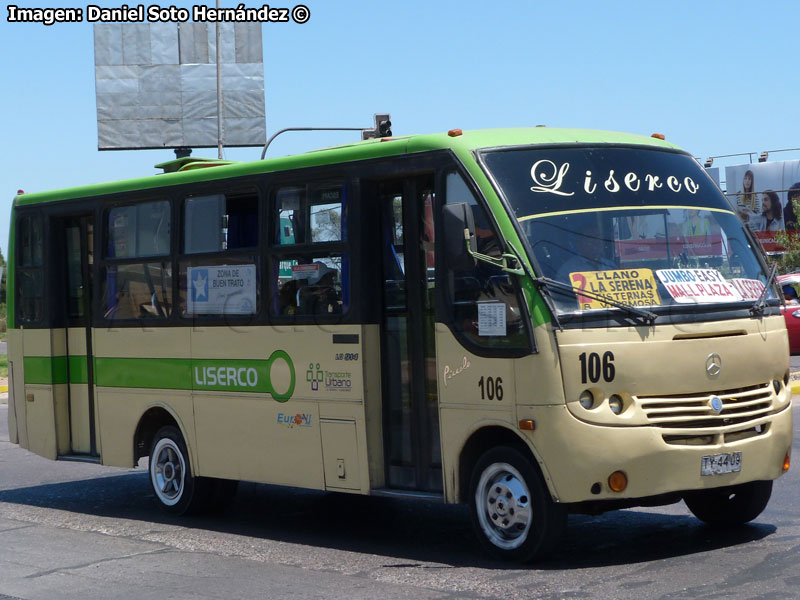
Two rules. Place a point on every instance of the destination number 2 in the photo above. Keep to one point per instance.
(491, 388)
(593, 367)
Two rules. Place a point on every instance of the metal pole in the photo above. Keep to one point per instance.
(219, 89)
(269, 141)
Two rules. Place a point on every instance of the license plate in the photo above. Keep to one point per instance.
(719, 464)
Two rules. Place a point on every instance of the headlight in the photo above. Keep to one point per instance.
(586, 399)
(615, 404)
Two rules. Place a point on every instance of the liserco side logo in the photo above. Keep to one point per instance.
(275, 376)
(275, 359)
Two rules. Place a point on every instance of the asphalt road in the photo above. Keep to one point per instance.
(87, 532)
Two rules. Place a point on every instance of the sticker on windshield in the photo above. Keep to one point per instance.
(491, 319)
(635, 287)
(698, 286)
(749, 289)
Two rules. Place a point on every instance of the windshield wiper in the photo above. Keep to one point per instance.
(529, 273)
(641, 313)
(761, 304)
(646, 315)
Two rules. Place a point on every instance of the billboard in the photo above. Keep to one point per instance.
(761, 193)
(713, 172)
(156, 85)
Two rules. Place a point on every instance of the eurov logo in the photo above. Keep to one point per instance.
(298, 420)
(314, 376)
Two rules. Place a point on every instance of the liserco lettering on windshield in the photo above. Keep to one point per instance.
(536, 181)
(548, 177)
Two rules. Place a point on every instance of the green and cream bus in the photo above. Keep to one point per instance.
(529, 321)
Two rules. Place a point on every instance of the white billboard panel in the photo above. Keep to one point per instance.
(156, 85)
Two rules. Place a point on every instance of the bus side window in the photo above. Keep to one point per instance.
(30, 277)
(135, 288)
(291, 221)
(311, 267)
(310, 214)
(485, 301)
(219, 272)
(220, 222)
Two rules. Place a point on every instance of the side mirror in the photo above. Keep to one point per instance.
(459, 233)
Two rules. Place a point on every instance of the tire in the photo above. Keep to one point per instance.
(733, 505)
(176, 490)
(513, 514)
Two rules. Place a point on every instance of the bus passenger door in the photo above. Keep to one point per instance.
(78, 239)
(412, 448)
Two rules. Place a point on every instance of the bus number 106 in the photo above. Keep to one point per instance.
(594, 367)
(491, 388)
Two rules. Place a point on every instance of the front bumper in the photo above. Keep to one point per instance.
(576, 456)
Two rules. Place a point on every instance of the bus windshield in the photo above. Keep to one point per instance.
(639, 227)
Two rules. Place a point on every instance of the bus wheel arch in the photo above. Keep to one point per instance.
(153, 419)
(485, 438)
(172, 468)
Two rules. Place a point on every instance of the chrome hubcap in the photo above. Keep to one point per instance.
(504, 508)
(167, 471)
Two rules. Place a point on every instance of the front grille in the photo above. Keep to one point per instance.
(728, 437)
(691, 415)
(744, 434)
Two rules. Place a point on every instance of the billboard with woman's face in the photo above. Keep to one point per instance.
(762, 194)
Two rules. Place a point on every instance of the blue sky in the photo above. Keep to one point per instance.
(715, 77)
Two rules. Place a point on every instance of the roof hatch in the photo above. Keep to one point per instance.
(189, 163)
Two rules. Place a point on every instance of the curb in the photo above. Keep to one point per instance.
(794, 382)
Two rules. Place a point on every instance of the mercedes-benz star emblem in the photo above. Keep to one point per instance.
(714, 364)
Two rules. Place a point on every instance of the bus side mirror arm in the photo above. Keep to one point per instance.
(459, 228)
(459, 225)
(506, 262)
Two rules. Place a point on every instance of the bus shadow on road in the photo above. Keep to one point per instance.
(644, 535)
(415, 532)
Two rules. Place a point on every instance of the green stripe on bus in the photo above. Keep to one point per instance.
(48, 370)
(45, 370)
(219, 375)
(161, 373)
(78, 369)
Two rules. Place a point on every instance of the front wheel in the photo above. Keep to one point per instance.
(512, 512)
(733, 505)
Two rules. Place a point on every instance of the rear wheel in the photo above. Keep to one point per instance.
(512, 512)
(733, 505)
(176, 489)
